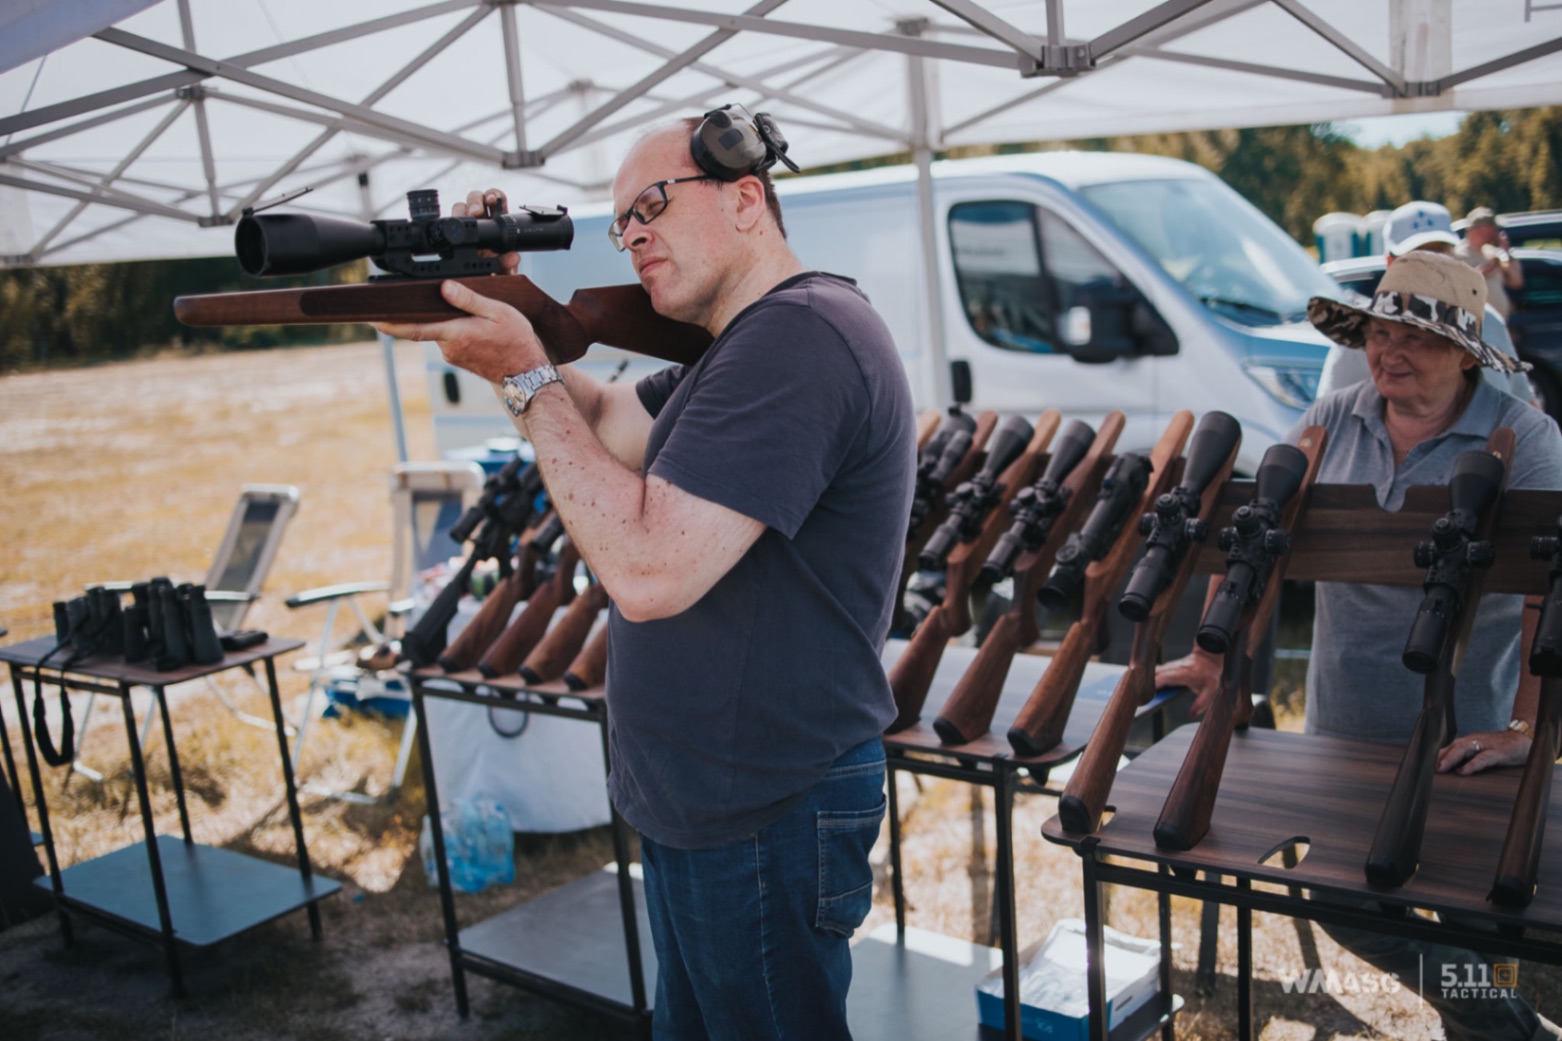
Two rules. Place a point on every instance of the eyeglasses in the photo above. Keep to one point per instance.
(648, 205)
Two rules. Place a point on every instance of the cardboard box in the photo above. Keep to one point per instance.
(1054, 1003)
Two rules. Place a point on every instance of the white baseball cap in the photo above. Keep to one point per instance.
(1415, 224)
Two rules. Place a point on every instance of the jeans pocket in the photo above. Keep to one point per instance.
(845, 875)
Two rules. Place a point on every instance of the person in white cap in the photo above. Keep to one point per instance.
(1485, 248)
(1423, 405)
(1422, 226)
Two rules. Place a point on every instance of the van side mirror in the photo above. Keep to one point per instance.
(1108, 321)
(960, 381)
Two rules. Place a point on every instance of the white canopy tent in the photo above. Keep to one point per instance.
(132, 129)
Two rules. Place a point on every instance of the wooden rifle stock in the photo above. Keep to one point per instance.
(1396, 845)
(969, 711)
(1185, 816)
(562, 643)
(589, 669)
(464, 651)
(1084, 797)
(504, 657)
(616, 316)
(912, 673)
(1514, 885)
(1039, 726)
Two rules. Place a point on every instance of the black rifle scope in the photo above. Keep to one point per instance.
(971, 501)
(1252, 543)
(1120, 490)
(427, 246)
(1037, 507)
(1175, 525)
(1449, 556)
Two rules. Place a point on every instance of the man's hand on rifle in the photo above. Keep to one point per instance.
(497, 341)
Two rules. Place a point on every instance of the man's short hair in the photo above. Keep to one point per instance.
(772, 203)
(1481, 215)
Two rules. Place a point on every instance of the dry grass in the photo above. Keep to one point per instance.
(130, 470)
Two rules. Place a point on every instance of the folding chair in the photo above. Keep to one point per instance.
(238, 570)
(426, 501)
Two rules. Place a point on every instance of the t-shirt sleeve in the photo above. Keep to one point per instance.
(655, 389)
(770, 418)
(1537, 452)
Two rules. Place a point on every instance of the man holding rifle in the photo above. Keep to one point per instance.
(747, 515)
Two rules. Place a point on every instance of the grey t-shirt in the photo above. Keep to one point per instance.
(800, 417)
(1357, 686)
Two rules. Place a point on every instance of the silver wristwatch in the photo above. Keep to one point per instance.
(518, 390)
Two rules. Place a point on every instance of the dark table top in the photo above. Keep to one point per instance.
(31, 652)
(1329, 792)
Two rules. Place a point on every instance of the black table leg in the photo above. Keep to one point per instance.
(1163, 911)
(173, 761)
(155, 861)
(1244, 964)
(1003, 885)
(291, 785)
(42, 802)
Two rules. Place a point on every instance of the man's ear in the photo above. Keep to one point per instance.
(751, 202)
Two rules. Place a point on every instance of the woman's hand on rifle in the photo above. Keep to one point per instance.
(1199, 672)
(1472, 753)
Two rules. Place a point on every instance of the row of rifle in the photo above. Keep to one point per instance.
(511, 524)
(1056, 547)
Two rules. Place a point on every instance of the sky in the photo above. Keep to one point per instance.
(1397, 130)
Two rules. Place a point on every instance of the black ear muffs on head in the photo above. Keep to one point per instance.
(729, 144)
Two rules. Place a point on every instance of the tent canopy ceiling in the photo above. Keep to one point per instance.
(134, 130)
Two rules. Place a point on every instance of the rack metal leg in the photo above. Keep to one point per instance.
(1095, 945)
(1003, 885)
(626, 902)
(447, 900)
(897, 882)
(173, 760)
(1244, 965)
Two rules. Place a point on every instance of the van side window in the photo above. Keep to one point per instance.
(1018, 268)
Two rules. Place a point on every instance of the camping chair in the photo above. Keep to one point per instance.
(426, 501)
(238, 570)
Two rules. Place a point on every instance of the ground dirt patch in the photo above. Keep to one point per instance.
(128, 470)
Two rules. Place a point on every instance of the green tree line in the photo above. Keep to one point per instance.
(1508, 160)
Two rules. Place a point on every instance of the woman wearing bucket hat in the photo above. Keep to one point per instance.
(1424, 405)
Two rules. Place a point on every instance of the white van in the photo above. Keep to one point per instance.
(1080, 281)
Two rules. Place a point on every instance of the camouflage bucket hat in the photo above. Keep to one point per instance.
(1441, 294)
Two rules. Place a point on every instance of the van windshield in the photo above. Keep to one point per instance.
(1218, 246)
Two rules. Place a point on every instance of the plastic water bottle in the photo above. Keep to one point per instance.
(498, 843)
(479, 845)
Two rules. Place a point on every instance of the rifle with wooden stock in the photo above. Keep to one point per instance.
(290, 244)
(1011, 457)
(1051, 504)
(492, 618)
(1257, 543)
(589, 669)
(1097, 556)
(1514, 884)
(1456, 559)
(504, 657)
(1178, 525)
(563, 641)
(500, 513)
(945, 457)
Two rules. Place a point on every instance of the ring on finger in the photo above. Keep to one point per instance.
(1476, 746)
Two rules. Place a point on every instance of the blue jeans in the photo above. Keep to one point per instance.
(751, 937)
